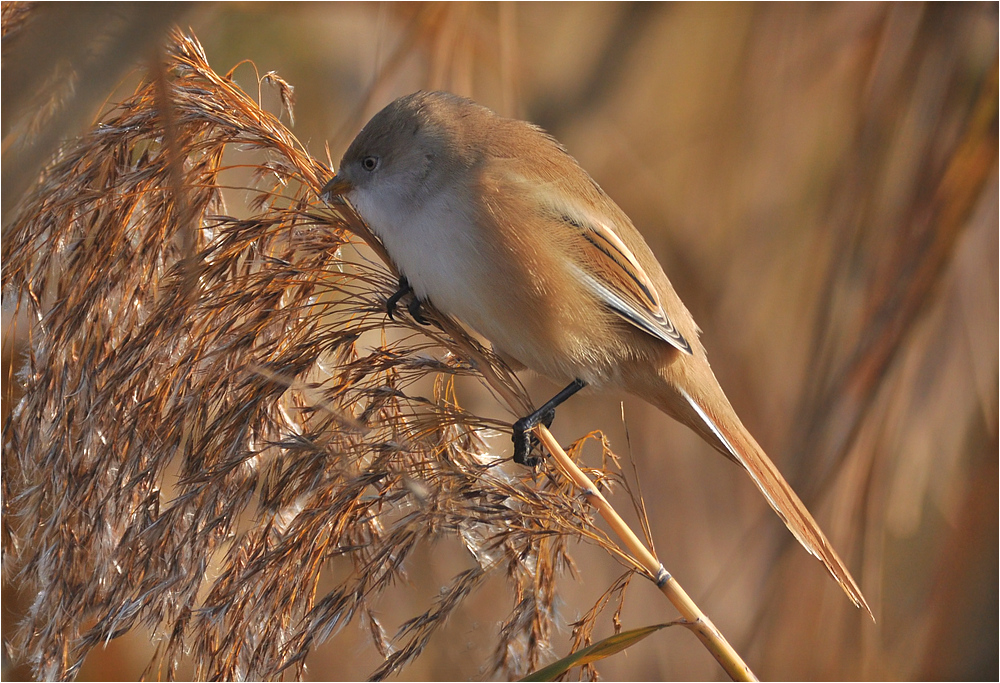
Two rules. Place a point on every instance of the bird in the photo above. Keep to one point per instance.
(493, 222)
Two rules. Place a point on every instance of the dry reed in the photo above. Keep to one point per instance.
(218, 416)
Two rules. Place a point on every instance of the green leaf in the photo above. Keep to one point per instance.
(595, 652)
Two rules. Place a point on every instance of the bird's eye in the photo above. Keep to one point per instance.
(369, 163)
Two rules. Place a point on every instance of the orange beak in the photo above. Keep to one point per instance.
(336, 187)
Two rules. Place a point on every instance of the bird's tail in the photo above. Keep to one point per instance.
(713, 418)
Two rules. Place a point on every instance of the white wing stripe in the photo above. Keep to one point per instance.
(667, 333)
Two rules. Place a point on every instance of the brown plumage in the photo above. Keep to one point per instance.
(496, 224)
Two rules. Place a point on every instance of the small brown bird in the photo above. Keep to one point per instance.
(492, 221)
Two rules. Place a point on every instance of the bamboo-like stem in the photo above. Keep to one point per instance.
(697, 621)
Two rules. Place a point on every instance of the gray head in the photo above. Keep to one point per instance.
(410, 149)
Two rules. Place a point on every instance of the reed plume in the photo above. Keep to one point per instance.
(218, 417)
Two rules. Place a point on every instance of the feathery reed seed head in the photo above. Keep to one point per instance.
(203, 435)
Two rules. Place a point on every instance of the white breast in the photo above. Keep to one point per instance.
(437, 248)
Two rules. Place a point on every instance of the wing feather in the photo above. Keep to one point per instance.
(613, 273)
(605, 264)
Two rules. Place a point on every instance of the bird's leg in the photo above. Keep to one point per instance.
(390, 304)
(413, 307)
(524, 441)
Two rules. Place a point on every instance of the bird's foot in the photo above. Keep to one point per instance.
(413, 306)
(526, 443)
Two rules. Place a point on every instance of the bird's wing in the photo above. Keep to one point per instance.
(611, 271)
(588, 224)
(603, 261)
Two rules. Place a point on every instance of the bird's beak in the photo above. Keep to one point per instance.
(335, 188)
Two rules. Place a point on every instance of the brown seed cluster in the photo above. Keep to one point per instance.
(217, 412)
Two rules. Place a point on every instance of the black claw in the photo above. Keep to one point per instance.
(413, 307)
(525, 443)
(390, 304)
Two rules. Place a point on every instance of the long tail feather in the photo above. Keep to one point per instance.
(723, 429)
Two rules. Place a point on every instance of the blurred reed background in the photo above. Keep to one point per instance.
(819, 181)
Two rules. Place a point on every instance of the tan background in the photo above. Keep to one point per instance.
(783, 163)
